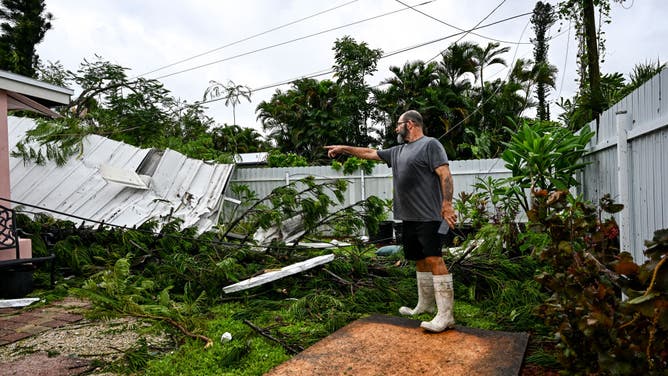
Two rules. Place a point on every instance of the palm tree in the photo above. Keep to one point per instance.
(522, 75)
(235, 139)
(528, 75)
(305, 118)
(457, 62)
(484, 57)
(231, 92)
(643, 72)
(409, 88)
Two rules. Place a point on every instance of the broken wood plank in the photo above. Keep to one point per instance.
(278, 274)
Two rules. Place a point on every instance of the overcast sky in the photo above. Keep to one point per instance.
(259, 43)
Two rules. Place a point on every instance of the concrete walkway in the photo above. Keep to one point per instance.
(19, 323)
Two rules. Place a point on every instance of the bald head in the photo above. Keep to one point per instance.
(413, 116)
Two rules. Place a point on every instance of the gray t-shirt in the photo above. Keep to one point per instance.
(417, 191)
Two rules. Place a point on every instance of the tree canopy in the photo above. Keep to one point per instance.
(23, 24)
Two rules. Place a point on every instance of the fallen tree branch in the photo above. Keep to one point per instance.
(339, 279)
(472, 245)
(178, 326)
(269, 336)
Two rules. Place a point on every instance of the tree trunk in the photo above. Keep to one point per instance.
(592, 58)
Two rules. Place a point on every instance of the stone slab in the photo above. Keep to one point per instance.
(388, 345)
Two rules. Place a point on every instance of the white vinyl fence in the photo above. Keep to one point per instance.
(379, 183)
(628, 158)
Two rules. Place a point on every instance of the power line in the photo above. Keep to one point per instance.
(474, 27)
(247, 38)
(396, 52)
(287, 42)
(489, 98)
(455, 27)
(563, 72)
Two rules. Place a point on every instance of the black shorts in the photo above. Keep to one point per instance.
(421, 239)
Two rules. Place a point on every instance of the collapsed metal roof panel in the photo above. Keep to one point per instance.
(187, 188)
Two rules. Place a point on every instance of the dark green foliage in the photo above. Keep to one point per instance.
(172, 276)
(278, 159)
(23, 25)
(353, 164)
(137, 356)
(236, 139)
(492, 277)
(314, 113)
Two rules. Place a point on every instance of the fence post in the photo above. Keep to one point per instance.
(362, 183)
(623, 126)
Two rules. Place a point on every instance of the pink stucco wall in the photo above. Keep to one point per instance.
(4, 150)
(25, 245)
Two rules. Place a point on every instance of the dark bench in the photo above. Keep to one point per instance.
(10, 242)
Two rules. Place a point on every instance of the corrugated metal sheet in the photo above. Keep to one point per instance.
(187, 188)
(647, 161)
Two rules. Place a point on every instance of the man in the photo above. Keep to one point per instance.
(422, 201)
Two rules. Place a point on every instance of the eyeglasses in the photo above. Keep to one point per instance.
(402, 122)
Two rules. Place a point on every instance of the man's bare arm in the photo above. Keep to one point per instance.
(355, 151)
(447, 190)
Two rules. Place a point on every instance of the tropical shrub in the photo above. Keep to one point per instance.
(609, 315)
(544, 156)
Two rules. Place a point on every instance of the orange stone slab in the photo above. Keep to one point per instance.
(387, 345)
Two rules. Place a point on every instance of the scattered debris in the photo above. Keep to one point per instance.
(17, 303)
(388, 250)
(226, 337)
(278, 274)
(264, 333)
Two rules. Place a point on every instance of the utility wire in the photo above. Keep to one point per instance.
(396, 52)
(489, 98)
(474, 28)
(286, 42)
(455, 27)
(563, 72)
(246, 39)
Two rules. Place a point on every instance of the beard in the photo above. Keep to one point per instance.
(401, 135)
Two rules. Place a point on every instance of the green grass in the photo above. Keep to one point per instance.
(246, 354)
(299, 322)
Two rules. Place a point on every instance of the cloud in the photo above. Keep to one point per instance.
(151, 34)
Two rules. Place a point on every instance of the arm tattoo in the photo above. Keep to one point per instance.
(446, 187)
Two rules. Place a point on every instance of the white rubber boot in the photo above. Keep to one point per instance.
(445, 297)
(426, 302)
